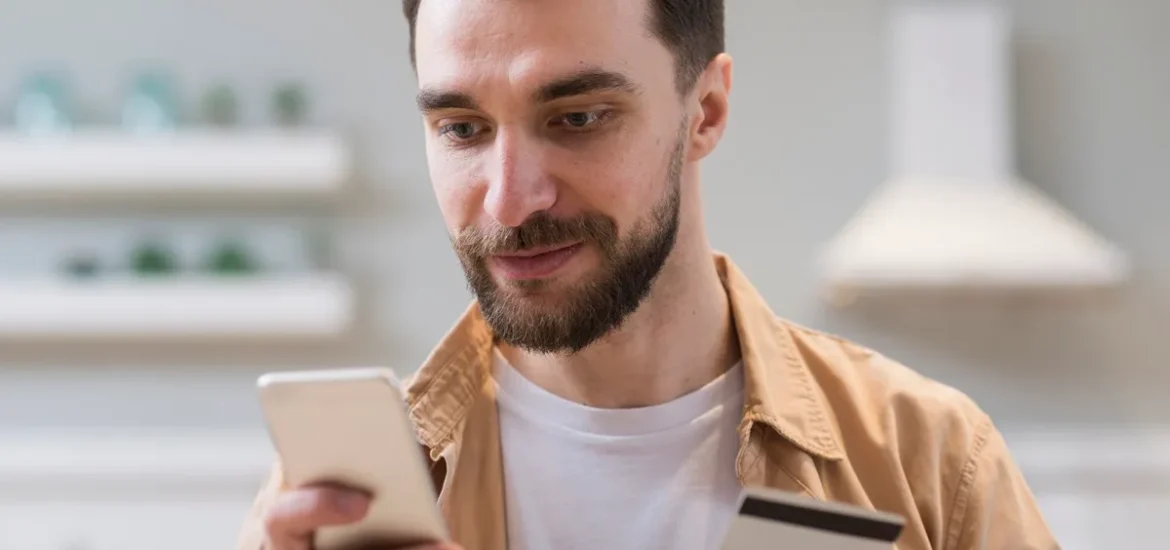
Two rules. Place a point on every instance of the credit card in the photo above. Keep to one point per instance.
(775, 519)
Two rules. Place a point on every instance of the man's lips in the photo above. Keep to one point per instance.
(535, 263)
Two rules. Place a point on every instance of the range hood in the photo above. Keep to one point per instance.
(955, 216)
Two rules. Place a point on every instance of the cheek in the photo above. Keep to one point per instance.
(623, 178)
(456, 193)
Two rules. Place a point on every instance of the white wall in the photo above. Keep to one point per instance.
(804, 148)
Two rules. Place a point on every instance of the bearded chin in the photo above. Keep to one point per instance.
(530, 319)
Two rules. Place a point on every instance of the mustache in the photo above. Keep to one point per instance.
(539, 230)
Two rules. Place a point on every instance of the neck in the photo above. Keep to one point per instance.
(681, 338)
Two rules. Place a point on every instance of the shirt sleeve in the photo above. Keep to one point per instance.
(994, 508)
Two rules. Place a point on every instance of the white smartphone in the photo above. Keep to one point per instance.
(350, 427)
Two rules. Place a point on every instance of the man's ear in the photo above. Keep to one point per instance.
(713, 91)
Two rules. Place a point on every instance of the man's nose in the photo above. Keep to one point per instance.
(519, 185)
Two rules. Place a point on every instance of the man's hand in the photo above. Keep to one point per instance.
(296, 514)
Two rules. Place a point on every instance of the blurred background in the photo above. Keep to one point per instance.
(147, 278)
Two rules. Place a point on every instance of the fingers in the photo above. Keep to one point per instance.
(296, 514)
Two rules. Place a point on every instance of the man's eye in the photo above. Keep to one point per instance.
(461, 131)
(581, 120)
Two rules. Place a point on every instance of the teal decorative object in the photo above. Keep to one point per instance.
(82, 266)
(220, 106)
(230, 257)
(151, 105)
(152, 259)
(290, 104)
(42, 106)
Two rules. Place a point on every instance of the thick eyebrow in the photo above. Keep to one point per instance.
(435, 100)
(588, 81)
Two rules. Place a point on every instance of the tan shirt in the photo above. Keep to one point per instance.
(822, 416)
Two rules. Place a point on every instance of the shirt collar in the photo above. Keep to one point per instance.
(779, 389)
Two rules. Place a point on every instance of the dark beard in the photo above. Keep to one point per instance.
(595, 307)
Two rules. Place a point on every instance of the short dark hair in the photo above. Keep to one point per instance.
(691, 29)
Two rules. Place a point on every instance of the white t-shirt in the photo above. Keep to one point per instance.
(580, 478)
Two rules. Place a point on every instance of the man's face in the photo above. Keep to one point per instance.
(556, 141)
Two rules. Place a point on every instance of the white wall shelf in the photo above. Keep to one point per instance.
(90, 163)
(128, 489)
(176, 308)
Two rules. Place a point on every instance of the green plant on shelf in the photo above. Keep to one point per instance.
(290, 104)
(220, 106)
(231, 258)
(319, 247)
(153, 259)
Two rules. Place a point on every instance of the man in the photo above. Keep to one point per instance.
(616, 382)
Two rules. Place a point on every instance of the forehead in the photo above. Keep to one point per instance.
(472, 43)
